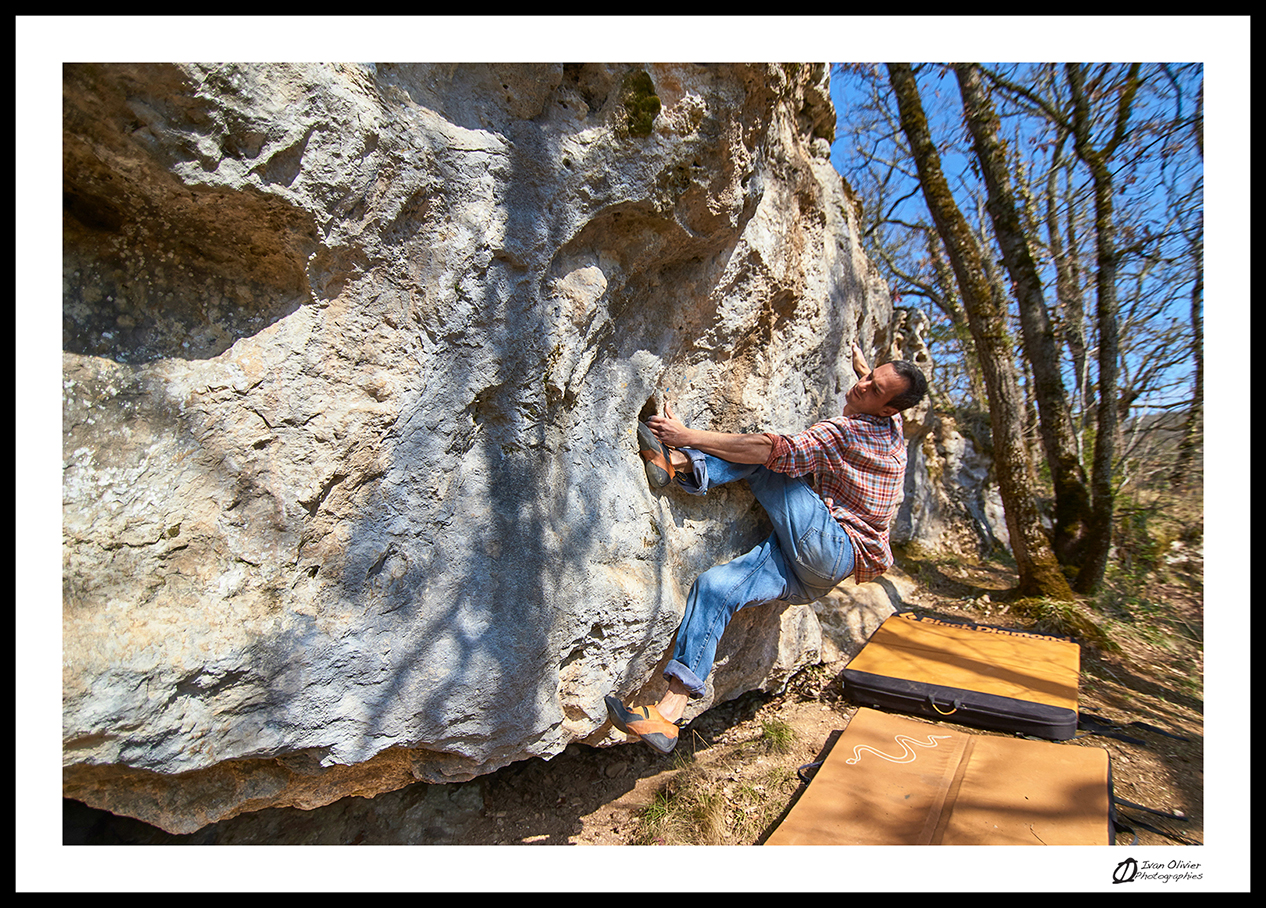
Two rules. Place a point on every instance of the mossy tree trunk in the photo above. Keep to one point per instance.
(1059, 443)
(1040, 574)
(1194, 422)
(1098, 160)
(954, 311)
(1195, 416)
(1068, 290)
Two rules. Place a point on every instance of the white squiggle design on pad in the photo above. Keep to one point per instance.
(907, 754)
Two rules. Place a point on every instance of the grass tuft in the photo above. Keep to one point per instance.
(732, 803)
(1066, 619)
(777, 736)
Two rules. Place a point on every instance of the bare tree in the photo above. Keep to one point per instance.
(1194, 423)
(1039, 571)
(1082, 123)
(906, 245)
(1117, 257)
(1059, 442)
(1098, 160)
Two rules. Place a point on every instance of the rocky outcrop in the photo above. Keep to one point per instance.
(951, 502)
(352, 360)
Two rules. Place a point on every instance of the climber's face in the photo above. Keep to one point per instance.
(872, 393)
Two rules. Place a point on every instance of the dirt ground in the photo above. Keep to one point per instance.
(600, 796)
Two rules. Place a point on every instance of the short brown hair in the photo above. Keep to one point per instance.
(916, 385)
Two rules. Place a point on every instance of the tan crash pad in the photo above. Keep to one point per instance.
(893, 780)
(973, 657)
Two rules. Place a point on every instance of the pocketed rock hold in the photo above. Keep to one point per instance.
(351, 359)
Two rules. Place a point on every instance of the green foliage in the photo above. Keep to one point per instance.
(641, 104)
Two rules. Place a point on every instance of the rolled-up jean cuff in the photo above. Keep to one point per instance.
(696, 481)
(692, 682)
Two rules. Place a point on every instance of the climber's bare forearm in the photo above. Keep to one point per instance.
(748, 448)
(753, 448)
(860, 365)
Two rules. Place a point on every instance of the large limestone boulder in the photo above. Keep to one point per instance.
(352, 359)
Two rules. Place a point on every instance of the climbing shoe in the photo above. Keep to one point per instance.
(659, 465)
(644, 722)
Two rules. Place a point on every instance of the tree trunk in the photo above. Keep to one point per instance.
(1072, 498)
(1071, 304)
(958, 318)
(1195, 416)
(1039, 571)
(1099, 540)
(1076, 311)
(1068, 283)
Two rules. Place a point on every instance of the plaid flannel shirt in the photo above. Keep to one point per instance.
(859, 462)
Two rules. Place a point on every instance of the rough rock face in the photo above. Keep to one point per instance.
(352, 361)
(951, 501)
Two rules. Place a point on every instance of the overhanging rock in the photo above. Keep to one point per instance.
(352, 361)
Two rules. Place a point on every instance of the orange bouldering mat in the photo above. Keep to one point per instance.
(969, 674)
(896, 780)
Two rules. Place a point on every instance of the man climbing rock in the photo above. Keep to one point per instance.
(831, 492)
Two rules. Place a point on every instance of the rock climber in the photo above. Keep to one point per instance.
(831, 492)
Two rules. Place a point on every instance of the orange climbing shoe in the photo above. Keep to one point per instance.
(658, 457)
(644, 722)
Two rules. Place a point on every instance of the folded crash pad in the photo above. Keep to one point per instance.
(896, 780)
(970, 674)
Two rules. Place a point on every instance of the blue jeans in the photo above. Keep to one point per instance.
(806, 555)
